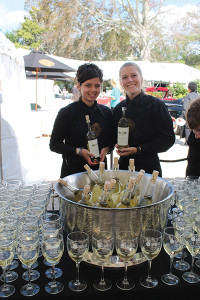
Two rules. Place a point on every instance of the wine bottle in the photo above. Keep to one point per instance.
(115, 175)
(126, 197)
(86, 195)
(123, 130)
(76, 193)
(131, 167)
(92, 142)
(110, 201)
(104, 199)
(148, 196)
(98, 187)
(136, 190)
(94, 178)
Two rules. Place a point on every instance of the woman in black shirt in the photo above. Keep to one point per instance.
(70, 128)
(150, 125)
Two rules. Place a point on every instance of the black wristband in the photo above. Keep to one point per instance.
(139, 150)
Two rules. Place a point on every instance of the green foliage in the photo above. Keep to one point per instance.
(29, 36)
(178, 90)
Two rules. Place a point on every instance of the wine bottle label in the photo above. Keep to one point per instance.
(123, 133)
(93, 147)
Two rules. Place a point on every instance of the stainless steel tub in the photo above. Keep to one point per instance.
(91, 219)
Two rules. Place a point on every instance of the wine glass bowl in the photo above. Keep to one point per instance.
(77, 247)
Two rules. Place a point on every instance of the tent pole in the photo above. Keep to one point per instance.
(36, 89)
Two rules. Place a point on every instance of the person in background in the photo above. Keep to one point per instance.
(150, 125)
(70, 128)
(115, 94)
(56, 91)
(193, 121)
(192, 95)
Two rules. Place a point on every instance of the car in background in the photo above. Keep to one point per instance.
(174, 106)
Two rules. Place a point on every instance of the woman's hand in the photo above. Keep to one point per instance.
(103, 153)
(87, 156)
(126, 151)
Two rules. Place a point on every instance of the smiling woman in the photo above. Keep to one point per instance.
(70, 128)
(150, 125)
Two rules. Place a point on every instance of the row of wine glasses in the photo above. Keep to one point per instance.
(185, 220)
(27, 240)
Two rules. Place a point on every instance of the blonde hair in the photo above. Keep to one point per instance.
(129, 64)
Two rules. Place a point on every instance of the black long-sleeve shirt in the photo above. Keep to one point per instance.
(70, 129)
(193, 167)
(150, 127)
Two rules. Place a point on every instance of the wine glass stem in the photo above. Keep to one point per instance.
(171, 264)
(125, 272)
(192, 264)
(149, 268)
(102, 273)
(29, 275)
(53, 272)
(4, 276)
(77, 272)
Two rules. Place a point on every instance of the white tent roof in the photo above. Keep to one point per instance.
(164, 72)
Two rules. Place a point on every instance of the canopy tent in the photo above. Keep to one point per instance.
(151, 71)
(15, 124)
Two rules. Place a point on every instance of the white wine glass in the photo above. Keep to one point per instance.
(151, 244)
(102, 246)
(77, 247)
(30, 231)
(28, 252)
(193, 246)
(126, 246)
(173, 245)
(7, 251)
(52, 229)
(179, 225)
(52, 250)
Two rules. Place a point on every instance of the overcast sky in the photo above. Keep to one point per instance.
(12, 11)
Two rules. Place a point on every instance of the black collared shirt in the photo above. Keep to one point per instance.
(151, 128)
(70, 129)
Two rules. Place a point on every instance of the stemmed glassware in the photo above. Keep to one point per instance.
(193, 246)
(10, 227)
(52, 229)
(173, 244)
(28, 252)
(179, 225)
(126, 246)
(151, 244)
(7, 251)
(52, 250)
(77, 247)
(102, 246)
